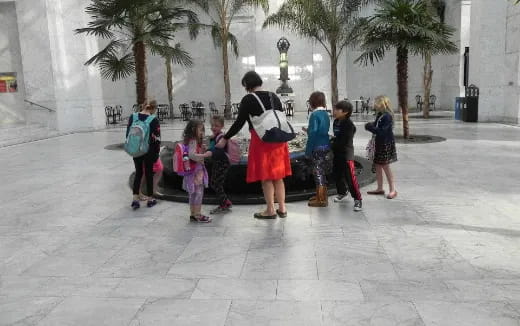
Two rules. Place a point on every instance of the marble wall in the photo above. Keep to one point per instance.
(11, 104)
(494, 59)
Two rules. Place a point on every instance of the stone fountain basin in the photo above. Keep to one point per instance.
(300, 186)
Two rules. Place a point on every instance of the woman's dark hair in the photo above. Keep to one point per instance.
(251, 80)
(190, 132)
(344, 106)
(317, 99)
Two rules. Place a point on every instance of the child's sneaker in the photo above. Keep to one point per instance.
(219, 210)
(358, 206)
(222, 208)
(200, 218)
(341, 199)
(135, 204)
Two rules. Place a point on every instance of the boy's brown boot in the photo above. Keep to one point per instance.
(322, 199)
(314, 199)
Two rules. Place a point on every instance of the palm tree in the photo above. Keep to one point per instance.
(132, 26)
(332, 23)
(427, 70)
(222, 13)
(176, 55)
(407, 26)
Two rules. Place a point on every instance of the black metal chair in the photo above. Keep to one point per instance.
(118, 112)
(365, 106)
(213, 108)
(309, 110)
(108, 114)
(162, 111)
(184, 108)
(234, 110)
(289, 108)
(419, 102)
(432, 101)
(197, 110)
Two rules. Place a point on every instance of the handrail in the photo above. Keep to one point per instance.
(44, 107)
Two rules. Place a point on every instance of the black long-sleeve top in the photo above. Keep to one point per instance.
(343, 142)
(155, 134)
(249, 106)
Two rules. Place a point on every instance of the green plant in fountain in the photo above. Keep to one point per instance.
(131, 27)
(409, 27)
(222, 13)
(332, 23)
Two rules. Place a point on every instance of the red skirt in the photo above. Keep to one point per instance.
(267, 161)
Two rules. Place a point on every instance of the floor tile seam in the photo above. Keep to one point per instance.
(96, 270)
(195, 288)
(140, 309)
(244, 262)
(181, 252)
(50, 311)
(417, 311)
(228, 312)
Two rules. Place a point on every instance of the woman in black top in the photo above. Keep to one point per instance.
(146, 161)
(267, 162)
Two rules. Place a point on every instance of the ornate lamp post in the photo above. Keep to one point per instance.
(283, 46)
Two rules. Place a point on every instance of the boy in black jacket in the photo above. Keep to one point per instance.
(343, 148)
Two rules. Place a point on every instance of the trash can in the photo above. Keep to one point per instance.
(470, 109)
(459, 104)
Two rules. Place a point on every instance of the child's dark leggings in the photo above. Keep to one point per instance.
(345, 171)
(218, 179)
(147, 161)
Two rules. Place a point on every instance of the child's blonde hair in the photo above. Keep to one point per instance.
(384, 102)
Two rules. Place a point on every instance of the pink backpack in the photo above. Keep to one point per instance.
(233, 151)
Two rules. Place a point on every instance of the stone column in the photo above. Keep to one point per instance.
(53, 57)
(493, 64)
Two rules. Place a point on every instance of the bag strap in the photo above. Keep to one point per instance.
(259, 101)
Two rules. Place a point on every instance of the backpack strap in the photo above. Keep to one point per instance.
(149, 119)
(135, 117)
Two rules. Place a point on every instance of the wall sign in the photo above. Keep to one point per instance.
(8, 83)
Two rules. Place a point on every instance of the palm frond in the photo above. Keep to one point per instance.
(407, 24)
(112, 49)
(233, 42)
(176, 53)
(115, 68)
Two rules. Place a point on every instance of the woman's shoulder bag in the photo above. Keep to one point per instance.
(271, 126)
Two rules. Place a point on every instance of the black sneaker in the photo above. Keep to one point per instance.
(358, 206)
(135, 204)
(151, 203)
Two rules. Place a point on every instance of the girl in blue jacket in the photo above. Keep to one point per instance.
(318, 147)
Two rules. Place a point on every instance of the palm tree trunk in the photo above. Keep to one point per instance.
(140, 71)
(402, 87)
(169, 84)
(427, 84)
(227, 87)
(334, 77)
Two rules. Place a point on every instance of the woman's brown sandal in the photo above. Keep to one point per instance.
(261, 216)
(281, 214)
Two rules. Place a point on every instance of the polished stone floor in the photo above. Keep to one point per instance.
(445, 252)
